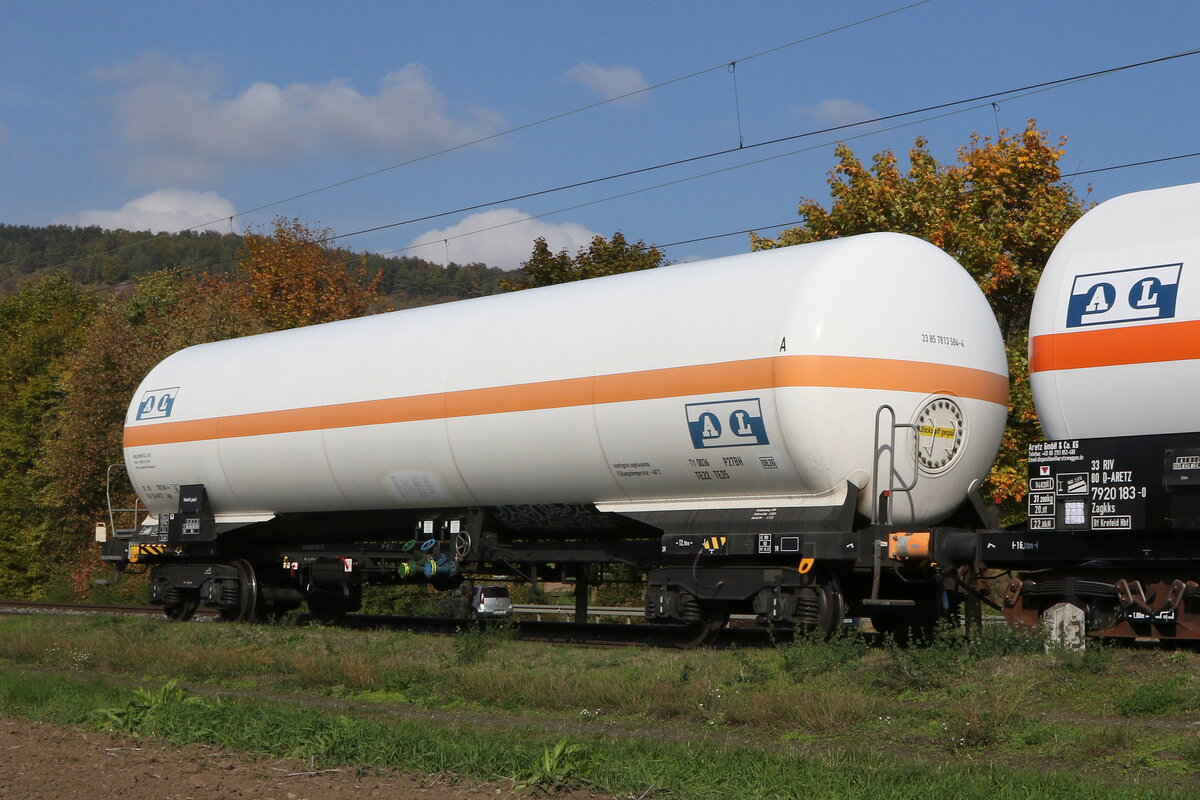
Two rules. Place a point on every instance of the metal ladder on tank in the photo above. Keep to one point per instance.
(881, 511)
(133, 516)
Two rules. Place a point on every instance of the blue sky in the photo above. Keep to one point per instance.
(166, 115)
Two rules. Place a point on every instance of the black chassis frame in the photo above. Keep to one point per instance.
(728, 556)
(1111, 528)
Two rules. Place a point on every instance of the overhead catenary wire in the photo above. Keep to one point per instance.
(1129, 164)
(581, 109)
(743, 231)
(1036, 89)
(990, 97)
(519, 128)
(1009, 94)
(798, 221)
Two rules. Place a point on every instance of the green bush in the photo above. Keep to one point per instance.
(1189, 751)
(402, 601)
(1151, 698)
(141, 711)
(751, 667)
(993, 641)
(1095, 659)
(472, 645)
(558, 768)
(811, 654)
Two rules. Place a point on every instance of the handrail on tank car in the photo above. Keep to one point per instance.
(889, 450)
(884, 499)
(137, 509)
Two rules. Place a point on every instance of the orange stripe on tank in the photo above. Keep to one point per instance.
(1110, 347)
(730, 376)
(893, 375)
(655, 384)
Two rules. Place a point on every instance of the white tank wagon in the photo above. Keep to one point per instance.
(1114, 359)
(721, 383)
(1114, 345)
(738, 397)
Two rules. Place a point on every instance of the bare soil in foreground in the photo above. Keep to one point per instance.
(47, 762)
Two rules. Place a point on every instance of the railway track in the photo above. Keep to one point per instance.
(593, 634)
(31, 607)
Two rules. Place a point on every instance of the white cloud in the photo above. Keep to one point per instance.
(185, 133)
(505, 239)
(611, 81)
(168, 210)
(156, 66)
(840, 112)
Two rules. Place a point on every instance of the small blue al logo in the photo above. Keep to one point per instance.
(1127, 295)
(727, 423)
(157, 403)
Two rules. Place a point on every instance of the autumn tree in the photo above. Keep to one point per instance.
(165, 312)
(999, 210)
(40, 326)
(288, 278)
(601, 257)
(294, 279)
(128, 335)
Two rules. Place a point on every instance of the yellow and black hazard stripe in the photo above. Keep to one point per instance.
(138, 552)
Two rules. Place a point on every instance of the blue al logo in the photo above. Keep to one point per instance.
(728, 423)
(1126, 295)
(157, 403)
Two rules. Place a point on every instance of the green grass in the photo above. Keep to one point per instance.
(1155, 698)
(698, 769)
(838, 718)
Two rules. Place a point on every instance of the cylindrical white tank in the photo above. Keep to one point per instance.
(1114, 335)
(746, 381)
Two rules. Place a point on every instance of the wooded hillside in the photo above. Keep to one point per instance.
(96, 257)
(85, 313)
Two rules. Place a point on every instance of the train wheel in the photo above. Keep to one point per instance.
(249, 601)
(831, 605)
(184, 608)
(714, 616)
(819, 605)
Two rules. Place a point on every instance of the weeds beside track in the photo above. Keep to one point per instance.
(997, 717)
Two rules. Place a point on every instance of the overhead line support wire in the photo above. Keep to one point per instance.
(737, 103)
(730, 233)
(1075, 174)
(1129, 164)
